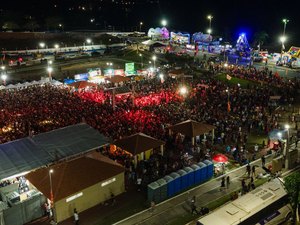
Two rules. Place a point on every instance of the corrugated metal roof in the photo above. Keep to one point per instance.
(74, 175)
(30, 153)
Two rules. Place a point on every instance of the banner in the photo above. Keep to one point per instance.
(228, 77)
(129, 68)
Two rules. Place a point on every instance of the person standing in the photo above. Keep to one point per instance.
(76, 217)
(139, 183)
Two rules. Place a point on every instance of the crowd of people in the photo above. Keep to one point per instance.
(151, 109)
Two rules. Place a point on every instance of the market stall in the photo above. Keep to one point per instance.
(139, 145)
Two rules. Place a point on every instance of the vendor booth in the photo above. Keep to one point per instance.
(69, 186)
(192, 129)
(140, 146)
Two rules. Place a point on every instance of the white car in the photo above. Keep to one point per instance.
(16, 63)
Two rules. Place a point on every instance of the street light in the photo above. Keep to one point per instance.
(183, 90)
(154, 59)
(209, 17)
(56, 46)
(89, 41)
(4, 78)
(141, 24)
(50, 69)
(283, 38)
(2, 68)
(164, 22)
(141, 60)
(42, 45)
(51, 190)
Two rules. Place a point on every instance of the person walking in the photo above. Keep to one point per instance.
(263, 161)
(253, 171)
(227, 182)
(248, 169)
(222, 184)
(193, 205)
(76, 217)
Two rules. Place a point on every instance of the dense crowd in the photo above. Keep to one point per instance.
(153, 107)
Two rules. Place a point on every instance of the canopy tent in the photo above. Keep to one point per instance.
(82, 84)
(117, 79)
(138, 143)
(192, 128)
(220, 158)
(43, 149)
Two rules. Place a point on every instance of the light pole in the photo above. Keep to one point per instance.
(164, 22)
(51, 190)
(42, 45)
(283, 38)
(4, 78)
(154, 59)
(209, 17)
(50, 69)
(228, 100)
(141, 60)
(141, 24)
(287, 151)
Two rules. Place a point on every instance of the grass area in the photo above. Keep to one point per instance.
(256, 138)
(235, 81)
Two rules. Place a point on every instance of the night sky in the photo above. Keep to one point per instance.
(230, 17)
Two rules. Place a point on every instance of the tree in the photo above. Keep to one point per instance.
(260, 38)
(10, 25)
(292, 185)
(31, 24)
(53, 22)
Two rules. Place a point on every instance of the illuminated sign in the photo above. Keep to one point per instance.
(109, 72)
(82, 76)
(74, 197)
(119, 72)
(129, 67)
(94, 72)
(108, 182)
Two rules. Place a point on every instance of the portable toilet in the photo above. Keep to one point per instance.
(197, 173)
(171, 185)
(203, 171)
(210, 168)
(191, 175)
(163, 189)
(153, 192)
(177, 182)
(184, 180)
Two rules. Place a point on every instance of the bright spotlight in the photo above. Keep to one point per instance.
(183, 90)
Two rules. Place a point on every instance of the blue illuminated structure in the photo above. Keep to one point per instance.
(242, 45)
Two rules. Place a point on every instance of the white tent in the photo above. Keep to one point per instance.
(10, 86)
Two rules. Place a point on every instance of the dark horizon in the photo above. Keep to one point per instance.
(229, 19)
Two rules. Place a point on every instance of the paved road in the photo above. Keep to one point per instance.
(178, 206)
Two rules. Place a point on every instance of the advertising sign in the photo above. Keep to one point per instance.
(82, 76)
(94, 72)
(108, 72)
(129, 67)
(119, 72)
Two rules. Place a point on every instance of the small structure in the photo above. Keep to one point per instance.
(192, 129)
(80, 183)
(139, 144)
(82, 85)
